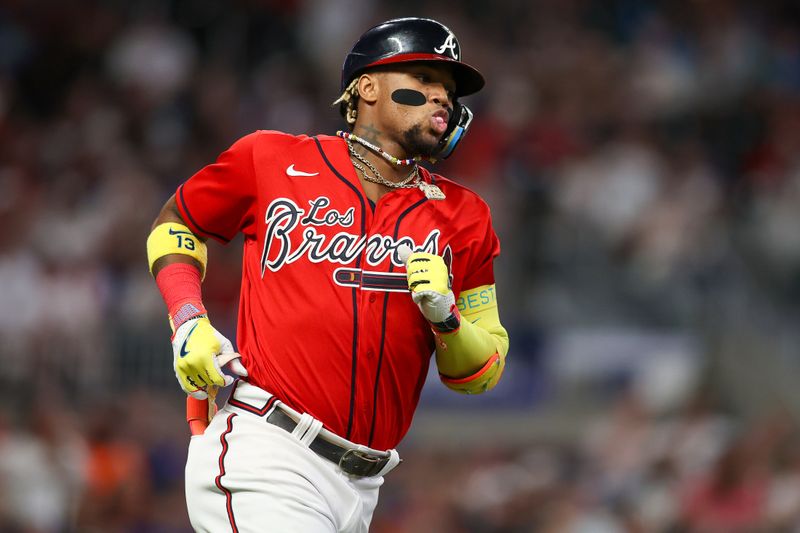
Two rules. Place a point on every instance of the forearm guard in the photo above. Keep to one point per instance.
(471, 359)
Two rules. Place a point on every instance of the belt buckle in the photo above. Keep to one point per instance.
(348, 463)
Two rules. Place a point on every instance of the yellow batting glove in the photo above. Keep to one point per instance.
(429, 283)
(197, 348)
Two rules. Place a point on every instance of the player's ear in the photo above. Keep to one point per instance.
(368, 85)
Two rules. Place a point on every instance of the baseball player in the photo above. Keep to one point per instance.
(358, 265)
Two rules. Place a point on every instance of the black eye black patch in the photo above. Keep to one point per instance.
(409, 97)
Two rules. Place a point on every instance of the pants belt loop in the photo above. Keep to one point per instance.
(312, 432)
(302, 426)
(307, 429)
(394, 460)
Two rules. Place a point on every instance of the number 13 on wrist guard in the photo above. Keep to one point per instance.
(173, 238)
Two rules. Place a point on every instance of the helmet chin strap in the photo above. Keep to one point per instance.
(457, 127)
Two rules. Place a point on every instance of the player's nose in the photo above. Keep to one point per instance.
(440, 96)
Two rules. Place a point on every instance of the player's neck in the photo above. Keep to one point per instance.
(387, 170)
(373, 136)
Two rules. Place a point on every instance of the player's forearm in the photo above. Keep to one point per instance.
(465, 351)
(472, 358)
(177, 259)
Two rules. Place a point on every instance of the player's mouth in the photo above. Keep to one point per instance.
(439, 121)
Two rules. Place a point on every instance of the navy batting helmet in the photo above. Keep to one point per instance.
(410, 39)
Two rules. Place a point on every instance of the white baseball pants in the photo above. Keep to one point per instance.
(245, 475)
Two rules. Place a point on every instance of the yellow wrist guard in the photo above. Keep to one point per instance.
(173, 238)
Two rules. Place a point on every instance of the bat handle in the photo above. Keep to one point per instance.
(200, 412)
(197, 412)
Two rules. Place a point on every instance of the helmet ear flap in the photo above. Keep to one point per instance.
(460, 120)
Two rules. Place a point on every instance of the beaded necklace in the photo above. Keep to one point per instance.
(347, 136)
(430, 190)
(409, 182)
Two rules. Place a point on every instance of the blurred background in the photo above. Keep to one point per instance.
(642, 161)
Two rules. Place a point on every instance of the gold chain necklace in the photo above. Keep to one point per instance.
(411, 181)
(378, 150)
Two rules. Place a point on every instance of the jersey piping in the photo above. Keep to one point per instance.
(383, 324)
(354, 292)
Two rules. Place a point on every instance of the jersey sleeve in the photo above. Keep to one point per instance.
(220, 200)
(484, 249)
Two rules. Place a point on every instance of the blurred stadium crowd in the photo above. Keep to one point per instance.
(642, 160)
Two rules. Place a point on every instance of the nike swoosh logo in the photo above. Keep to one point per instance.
(473, 321)
(173, 232)
(184, 352)
(291, 171)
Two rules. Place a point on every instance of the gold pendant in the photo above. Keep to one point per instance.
(431, 191)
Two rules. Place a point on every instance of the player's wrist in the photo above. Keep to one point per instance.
(450, 324)
(185, 313)
(179, 284)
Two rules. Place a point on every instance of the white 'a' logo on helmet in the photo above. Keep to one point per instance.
(449, 44)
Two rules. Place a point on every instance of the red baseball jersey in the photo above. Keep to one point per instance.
(326, 322)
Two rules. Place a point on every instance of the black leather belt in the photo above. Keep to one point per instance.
(351, 461)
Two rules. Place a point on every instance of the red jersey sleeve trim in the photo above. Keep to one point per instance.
(189, 219)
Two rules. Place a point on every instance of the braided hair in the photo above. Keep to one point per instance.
(348, 103)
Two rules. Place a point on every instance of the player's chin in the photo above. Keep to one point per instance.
(430, 147)
(436, 136)
(421, 141)
(435, 139)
